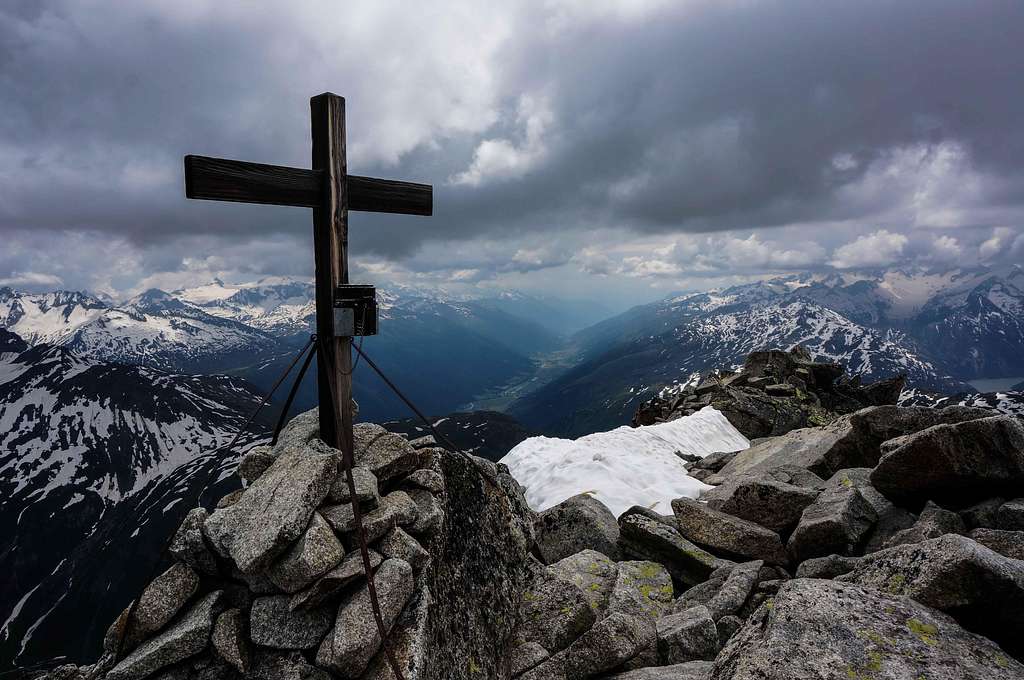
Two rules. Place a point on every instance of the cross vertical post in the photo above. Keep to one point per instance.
(331, 192)
(330, 240)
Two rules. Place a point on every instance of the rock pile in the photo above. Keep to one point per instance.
(271, 585)
(886, 543)
(773, 393)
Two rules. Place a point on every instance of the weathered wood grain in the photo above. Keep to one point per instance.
(220, 179)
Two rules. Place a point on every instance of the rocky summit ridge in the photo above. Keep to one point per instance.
(854, 539)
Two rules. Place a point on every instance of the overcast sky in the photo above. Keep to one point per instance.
(584, 148)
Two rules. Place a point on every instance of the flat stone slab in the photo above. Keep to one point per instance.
(982, 589)
(827, 629)
(730, 536)
(656, 540)
(276, 509)
(354, 641)
(773, 504)
(313, 555)
(188, 637)
(954, 465)
(272, 623)
(395, 509)
(335, 581)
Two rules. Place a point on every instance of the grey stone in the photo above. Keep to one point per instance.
(982, 514)
(656, 540)
(795, 475)
(230, 499)
(593, 573)
(1010, 516)
(827, 629)
(853, 440)
(933, 522)
(355, 640)
(189, 636)
(395, 509)
(642, 589)
(365, 482)
(316, 552)
(335, 581)
(158, 604)
(274, 665)
(276, 509)
(954, 464)
(272, 623)
(254, 463)
(982, 589)
(714, 461)
(555, 612)
(257, 582)
(829, 566)
(230, 642)
(428, 480)
(576, 524)
(736, 589)
(773, 504)
(526, 656)
(387, 456)
(730, 536)
(689, 635)
(1007, 543)
(727, 627)
(409, 641)
(780, 390)
(835, 523)
(691, 670)
(551, 669)
(429, 516)
(299, 431)
(702, 593)
(189, 546)
(612, 641)
(425, 442)
(400, 545)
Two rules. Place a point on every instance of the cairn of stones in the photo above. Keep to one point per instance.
(271, 583)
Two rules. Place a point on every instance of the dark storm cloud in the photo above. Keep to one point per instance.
(698, 116)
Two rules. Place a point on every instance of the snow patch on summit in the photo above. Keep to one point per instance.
(624, 467)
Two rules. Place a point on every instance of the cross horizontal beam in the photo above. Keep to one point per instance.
(219, 179)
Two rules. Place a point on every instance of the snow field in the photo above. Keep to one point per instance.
(623, 467)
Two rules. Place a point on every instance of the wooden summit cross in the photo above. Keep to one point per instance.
(331, 192)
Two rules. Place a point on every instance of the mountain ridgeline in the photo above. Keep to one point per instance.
(470, 346)
(940, 329)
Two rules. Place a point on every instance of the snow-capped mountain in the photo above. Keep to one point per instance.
(940, 328)
(47, 317)
(252, 330)
(85, 444)
(158, 330)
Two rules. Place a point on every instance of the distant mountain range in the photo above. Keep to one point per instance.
(940, 328)
(427, 339)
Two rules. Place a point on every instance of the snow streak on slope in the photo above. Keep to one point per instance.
(86, 449)
(624, 467)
